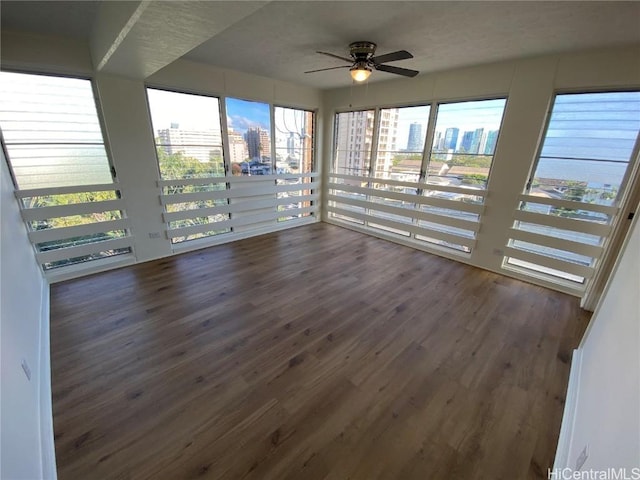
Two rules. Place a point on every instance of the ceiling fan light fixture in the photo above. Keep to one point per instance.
(360, 71)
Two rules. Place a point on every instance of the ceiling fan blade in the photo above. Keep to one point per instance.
(350, 60)
(397, 70)
(392, 57)
(330, 68)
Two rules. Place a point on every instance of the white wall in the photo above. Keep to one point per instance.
(605, 413)
(529, 85)
(26, 438)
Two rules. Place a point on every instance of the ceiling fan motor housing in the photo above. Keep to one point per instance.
(362, 50)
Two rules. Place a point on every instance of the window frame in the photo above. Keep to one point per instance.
(545, 128)
(223, 141)
(314, 137)
(429, 134)
(225, 128)
(432, 126)
(365, 220)
(73, 266)
(623, 195)
(335, 138)
(99, 115)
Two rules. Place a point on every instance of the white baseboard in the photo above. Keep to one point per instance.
(47, 445)
(568, 417)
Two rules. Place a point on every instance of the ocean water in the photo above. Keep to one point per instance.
(597, 172)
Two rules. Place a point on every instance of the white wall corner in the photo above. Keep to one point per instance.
(569, 416)
(47, 445)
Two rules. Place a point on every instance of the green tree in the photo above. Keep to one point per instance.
(574, 190)
(474, 179)
(477, 161)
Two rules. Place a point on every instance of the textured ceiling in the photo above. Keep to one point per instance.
(279, 39)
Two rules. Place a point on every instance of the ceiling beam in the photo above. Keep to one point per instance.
(136, 39)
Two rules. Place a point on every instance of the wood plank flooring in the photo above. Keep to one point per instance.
(312, 353)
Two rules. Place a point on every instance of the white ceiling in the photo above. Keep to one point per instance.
(278, 39)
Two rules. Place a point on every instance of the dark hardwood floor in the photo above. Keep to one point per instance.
(312, 353)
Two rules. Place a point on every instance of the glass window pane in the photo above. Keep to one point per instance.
(353, 138)
(549, 271)
(41, 109)
(561, 233)
(51, 131)
(249, 129)
(401, 142)
(587, 147)
(189, 145)
(294, 140)
(464, 142)
(43, 166)
(187, 132)
(86, 258)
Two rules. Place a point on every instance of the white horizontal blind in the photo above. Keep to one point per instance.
(426, 217)
(397, 159)
(565, 217)
(204, 192)
(64, 182)
(353, 141)
(188, 135)
(250, 200)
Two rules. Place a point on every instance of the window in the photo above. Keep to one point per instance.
(51, 130)
(63, 177)
(188, 140)
(294, 133)
(437, 200)
(465, 138)
(588, 145)
(188, 135)
(249, 133)
(401, 142)
(569, 203)
(353, 140)
(464, 142)
(399, 153)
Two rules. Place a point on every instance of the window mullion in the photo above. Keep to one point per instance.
(373, 158)
(428, 143)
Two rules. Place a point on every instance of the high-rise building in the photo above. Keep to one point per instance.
(237, 147)
(451, 138)
(475, 141)
(353, 142)
(306, 144)
(438, 141)
(203, 145)
(490, 145)
(265, 143)
(465, 144)
(258, 143)
(291, 144)
(355, 136)
(387, 140)
(414, 142)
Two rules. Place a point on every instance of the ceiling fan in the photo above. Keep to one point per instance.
(363, 61)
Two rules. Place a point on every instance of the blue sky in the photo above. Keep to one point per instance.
(243, 114)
